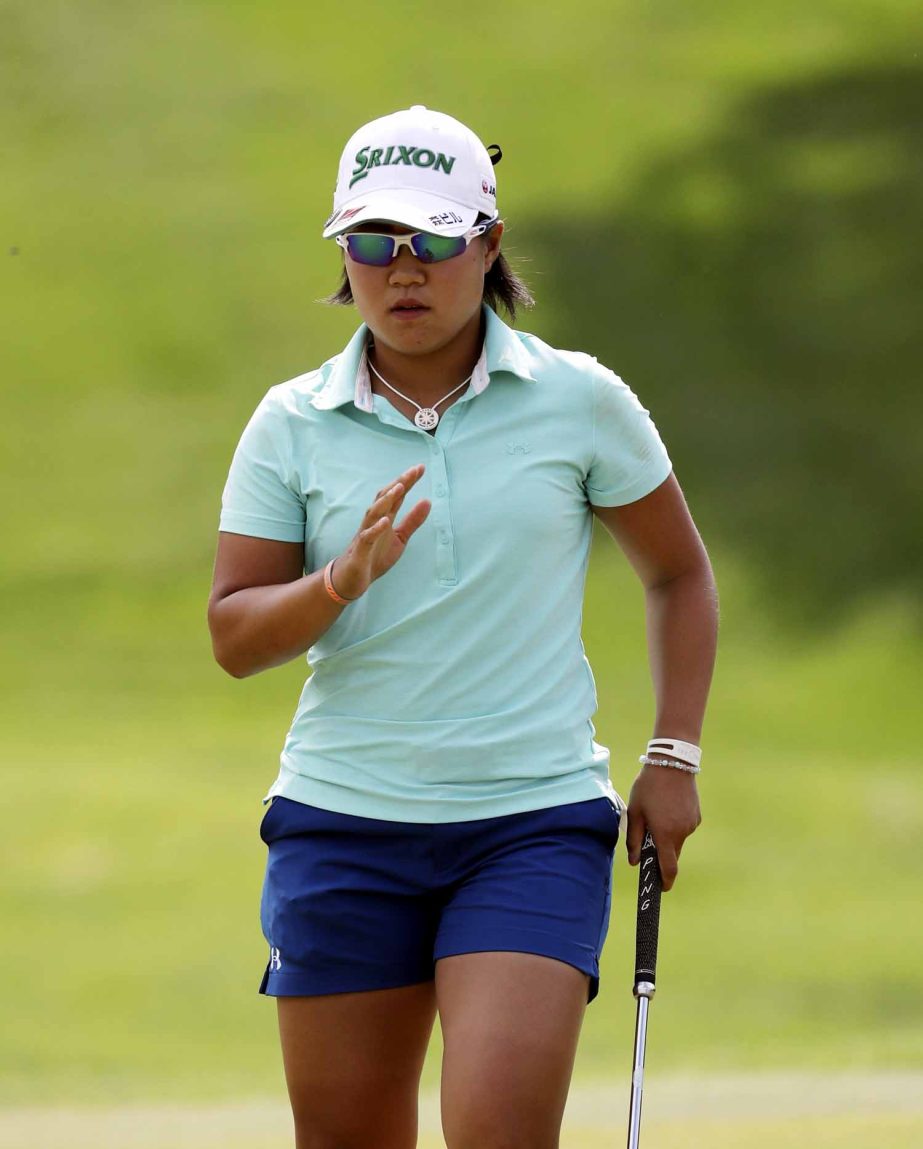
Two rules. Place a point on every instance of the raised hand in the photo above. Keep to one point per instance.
(378, 543)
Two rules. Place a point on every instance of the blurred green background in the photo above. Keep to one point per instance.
(722, 202)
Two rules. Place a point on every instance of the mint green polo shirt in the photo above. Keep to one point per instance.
(457, 687)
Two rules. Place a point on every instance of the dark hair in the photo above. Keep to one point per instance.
(502, 288)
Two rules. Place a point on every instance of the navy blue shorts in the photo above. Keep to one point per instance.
(354, 903)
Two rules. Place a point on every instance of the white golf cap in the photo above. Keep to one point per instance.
(417, 168)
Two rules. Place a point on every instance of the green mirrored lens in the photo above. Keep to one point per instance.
(366, 247)
(433, 248)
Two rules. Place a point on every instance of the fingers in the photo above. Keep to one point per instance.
(412, 475)
(368, 535)
(668, 857)
(666, 802)
(413, 519)
(668, 849)
(385, 506)
(634, 838)
(406, 480)
(387, 503)
(389, 499)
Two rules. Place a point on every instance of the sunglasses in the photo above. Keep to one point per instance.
(378, 250)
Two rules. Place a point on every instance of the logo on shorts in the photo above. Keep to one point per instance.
(275, 959)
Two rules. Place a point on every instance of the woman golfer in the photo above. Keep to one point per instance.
(416, 514)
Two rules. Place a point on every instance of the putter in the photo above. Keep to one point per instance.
(649, 887)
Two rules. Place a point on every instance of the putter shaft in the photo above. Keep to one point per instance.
(643, 993)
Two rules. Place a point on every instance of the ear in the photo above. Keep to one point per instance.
(492, 245)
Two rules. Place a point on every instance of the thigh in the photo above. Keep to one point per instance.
(510, 1024)
(345, 906)
(353, 1063)
(537, 883)
(516, 963)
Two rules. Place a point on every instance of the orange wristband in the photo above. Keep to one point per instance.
(328, 586)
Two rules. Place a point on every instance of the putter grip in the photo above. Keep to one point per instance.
(649, 887)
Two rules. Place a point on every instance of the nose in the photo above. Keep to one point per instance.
(406, 269)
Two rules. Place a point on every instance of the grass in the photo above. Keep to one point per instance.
(813, 1133)
(807, 1112)
(798, 1133)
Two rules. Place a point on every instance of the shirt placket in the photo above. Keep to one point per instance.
(440, 488)
(446, 567)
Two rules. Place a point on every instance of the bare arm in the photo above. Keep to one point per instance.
(661, 542)
(264, 611)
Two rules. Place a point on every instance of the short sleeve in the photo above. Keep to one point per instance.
(261, 497)
(629, 459)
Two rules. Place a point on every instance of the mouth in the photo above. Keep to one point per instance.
(408, 308)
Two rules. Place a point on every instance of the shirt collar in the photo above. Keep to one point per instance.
(347, 376)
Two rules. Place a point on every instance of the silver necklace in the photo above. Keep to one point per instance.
(426, 417)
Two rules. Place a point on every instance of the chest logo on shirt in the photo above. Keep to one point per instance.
(518, 448)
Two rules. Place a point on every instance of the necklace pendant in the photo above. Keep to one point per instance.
(426, 418)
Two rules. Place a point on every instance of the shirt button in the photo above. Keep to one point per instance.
(443, 536)
(440, 490)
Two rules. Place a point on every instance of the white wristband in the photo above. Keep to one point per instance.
(684, 751)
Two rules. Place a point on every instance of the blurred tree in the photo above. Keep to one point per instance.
(762, 293)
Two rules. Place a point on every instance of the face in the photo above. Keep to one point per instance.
(419, 308)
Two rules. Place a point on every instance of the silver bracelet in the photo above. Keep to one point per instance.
(647, 760)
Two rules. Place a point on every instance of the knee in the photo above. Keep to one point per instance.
(478, 1135)
(355, 1134)
(497, 1139)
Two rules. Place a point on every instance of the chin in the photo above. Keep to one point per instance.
(416, 338)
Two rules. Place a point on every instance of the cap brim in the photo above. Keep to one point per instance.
(412, 209)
